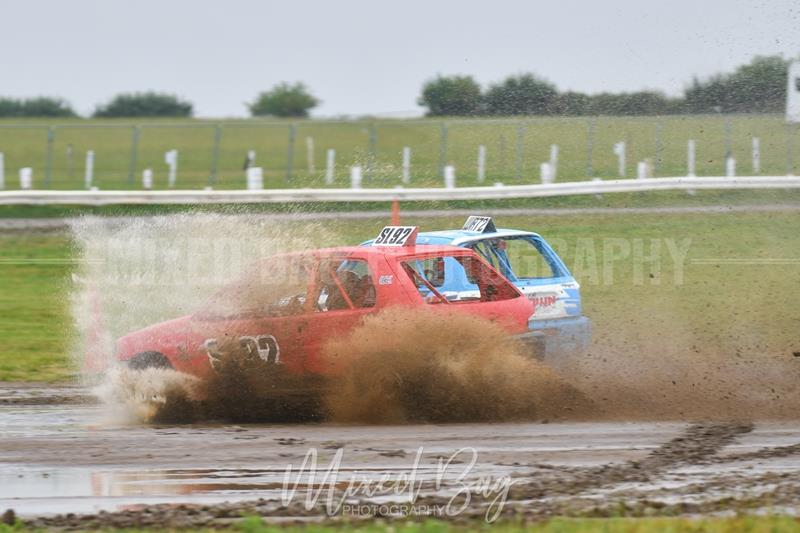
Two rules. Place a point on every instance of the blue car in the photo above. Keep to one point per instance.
(558, 326)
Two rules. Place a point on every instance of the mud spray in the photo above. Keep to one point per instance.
(442, 368)
(432, 368)
(659, 369)
(139, 271)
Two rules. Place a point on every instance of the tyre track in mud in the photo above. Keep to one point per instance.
(559, 491)
(696, 445)
(547, 491)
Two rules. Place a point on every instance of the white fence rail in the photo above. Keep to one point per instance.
(45, 197)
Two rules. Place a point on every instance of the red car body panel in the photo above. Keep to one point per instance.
(297, 340)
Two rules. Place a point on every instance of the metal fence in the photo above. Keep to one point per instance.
(315, 196)
(320, 153)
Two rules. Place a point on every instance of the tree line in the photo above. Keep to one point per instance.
(758, 87)
(283, 100)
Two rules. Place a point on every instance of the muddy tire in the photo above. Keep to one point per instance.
(144, 360)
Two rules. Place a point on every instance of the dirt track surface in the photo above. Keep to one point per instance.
(66, 465)
(62, 224)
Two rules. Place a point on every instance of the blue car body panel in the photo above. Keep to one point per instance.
(558, 326)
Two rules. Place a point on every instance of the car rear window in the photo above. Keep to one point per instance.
(431, 276)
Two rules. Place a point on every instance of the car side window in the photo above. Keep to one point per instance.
(345, 284)
(432, 269)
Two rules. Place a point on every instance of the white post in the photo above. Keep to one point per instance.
(310, 154)
(171, 159)
(756, 156)
(546, 173)
(147, 179)
(619, 151)
(255, 179)
(730, 167)
(449, 177)
(88, 175)
(26, 178)
(406, 164)
(553, 161)
(481, 163)
(2, 172)
(330, 164)
(641, 170)
(690, 158)
(355, 177)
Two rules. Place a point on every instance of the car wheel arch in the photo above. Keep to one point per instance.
(149, 359)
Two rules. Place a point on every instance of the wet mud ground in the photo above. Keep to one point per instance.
(64, 464)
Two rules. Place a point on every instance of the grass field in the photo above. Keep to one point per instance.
(33, 306)
(746, 524)
(632, 284)
(561, 525)
(515, 148)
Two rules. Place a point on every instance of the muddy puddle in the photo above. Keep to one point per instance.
(52, 490)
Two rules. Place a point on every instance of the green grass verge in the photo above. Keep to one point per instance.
(772, 524)
(33, 307)
(631, 283)
(515, 148)
(748, 524)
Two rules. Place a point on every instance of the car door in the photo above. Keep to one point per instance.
(344, 292)
(260, 314)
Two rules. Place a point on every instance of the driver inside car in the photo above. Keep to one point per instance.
(359, 290)
(499, 249)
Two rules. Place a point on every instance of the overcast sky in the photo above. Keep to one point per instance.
(372, 56)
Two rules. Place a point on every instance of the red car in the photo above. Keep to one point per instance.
(287, 306)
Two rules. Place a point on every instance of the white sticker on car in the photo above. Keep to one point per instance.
(264, 346)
